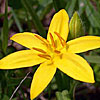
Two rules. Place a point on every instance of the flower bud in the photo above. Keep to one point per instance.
(76, 27)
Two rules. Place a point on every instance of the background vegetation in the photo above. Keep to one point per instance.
(34, 16)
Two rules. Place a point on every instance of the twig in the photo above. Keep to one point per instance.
(19, 85)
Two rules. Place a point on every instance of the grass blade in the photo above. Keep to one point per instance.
(58, 4)
(93, 59)
(4, 33)
(16, 20)
(92, 14)
(70, 8)
(37, 23)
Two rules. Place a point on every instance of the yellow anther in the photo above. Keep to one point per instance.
(40, 50)
(63, 42)
(56, 51)
(45, 56)
(42, 39)
(52, 40)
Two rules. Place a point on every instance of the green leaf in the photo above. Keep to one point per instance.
(59, 82)
(59, 96)
(96, 70)
(98, 5)
(73, 84)
(66, 81)
(44, 2)
(15, 4)
(4, 34)
(64, 95)
(58, 4)
(1, 15)
(46, 10)
(92, 15)
(93, 59)
(16, 20)
(43, 8)
(70, 7)
(37, 23)
(81, 6)
(5, 97)
(1, 55)
(10, 49)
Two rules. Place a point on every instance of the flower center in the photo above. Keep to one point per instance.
(52, 50)
(59, 38)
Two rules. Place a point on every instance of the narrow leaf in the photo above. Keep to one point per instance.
(92, 14)
(71, 7)
(93, 59)
(59, 82)
(46, 10)
(44, 3)
(4, 33)
(58, 4)
(81, 6)
(37, 23)
(16, 20)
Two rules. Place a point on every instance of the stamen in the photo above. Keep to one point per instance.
(40, 50)
(56, 51)
(63, 42)
(45, 56)
(42, 39)
(52, 40)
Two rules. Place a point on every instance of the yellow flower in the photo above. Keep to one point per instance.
(52, 53)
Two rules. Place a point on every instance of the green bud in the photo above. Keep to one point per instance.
(75, 26)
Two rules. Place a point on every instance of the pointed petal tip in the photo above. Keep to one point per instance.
(91, 78)
(59, 24)
(32, 96)
(38, 84)
(63, 10)
(93, 81)
(11, 37)
(63, 13)
(90, 81)
(83, 44)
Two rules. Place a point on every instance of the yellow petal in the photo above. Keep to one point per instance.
(75, 67)
(30, 40)
(83, 44)
(41, 79)
(59, 24)
(20, 59)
